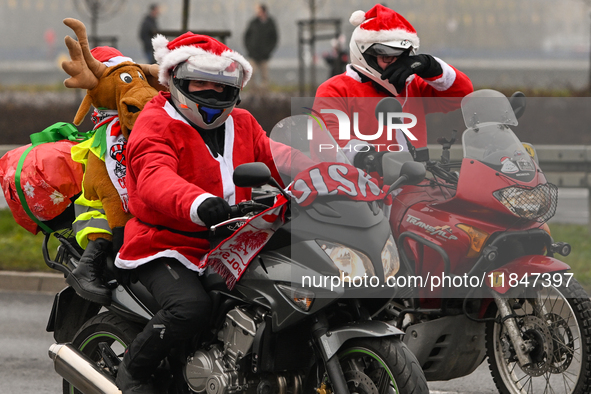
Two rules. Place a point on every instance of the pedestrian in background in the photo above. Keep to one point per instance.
(148, 29)
(260, 40)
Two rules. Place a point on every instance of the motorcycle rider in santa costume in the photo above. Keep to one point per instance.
(181, 156)
(385, 63)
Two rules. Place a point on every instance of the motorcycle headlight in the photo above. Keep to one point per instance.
(390, 258)
(537, 203)
(349, 262)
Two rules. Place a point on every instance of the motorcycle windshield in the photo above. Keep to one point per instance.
(303, 141)
(488, 139)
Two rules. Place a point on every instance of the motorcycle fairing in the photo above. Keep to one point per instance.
(524, 265)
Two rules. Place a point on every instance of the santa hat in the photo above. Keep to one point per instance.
(383, 25)
(170, 54)
(109, 56)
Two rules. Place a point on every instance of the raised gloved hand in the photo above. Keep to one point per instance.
(425, 66)
(213, 211)
(370, 161)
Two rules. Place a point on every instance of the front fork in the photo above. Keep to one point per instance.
(508, 320)
(332, 363)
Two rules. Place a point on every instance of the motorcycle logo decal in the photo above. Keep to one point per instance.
(525, 165)
(444, 232)
(530, 150)
(518, 153)
(509, 167)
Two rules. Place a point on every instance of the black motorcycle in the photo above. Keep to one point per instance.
(272, 333)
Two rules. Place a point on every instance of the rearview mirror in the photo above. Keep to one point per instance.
(251, 175)
(411, 173)
(517, 101)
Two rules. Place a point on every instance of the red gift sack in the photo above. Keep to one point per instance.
(47, 175)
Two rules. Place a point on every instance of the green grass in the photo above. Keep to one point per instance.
(580, 257)
(21, 250)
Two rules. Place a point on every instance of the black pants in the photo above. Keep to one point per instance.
(186, 310)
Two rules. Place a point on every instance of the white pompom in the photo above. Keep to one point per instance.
(357, 18)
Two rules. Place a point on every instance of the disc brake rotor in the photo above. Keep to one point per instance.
(360, 383)
(536, 330)
(563, 343)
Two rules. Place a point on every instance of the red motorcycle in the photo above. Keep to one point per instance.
(483, 279)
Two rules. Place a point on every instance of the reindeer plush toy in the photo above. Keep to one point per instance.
(118, 89)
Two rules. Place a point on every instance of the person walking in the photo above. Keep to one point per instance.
(261, 39)
(148, 29)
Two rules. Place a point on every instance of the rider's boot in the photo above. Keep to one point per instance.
(87, 279)
(129, 384)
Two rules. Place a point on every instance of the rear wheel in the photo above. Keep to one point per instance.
(381, 366)
(106, 327)
(555, 323)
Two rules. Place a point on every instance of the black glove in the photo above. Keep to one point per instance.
(370, 161)
(213, 210)
(425, 66)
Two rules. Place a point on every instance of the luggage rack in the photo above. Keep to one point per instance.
(68, 252)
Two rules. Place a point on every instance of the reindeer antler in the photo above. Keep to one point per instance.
(84, 70)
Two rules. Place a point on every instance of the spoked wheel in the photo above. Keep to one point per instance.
(381, 366)
(555, 325)
(104, 328)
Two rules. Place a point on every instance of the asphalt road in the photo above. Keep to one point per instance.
(27, 369)
(26, 366)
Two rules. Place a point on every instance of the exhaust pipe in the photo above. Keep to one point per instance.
(77, 369)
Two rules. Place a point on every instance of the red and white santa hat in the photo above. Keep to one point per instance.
(385, 26)
(109, 56)
(170, 54)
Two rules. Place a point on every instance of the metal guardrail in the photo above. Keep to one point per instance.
(563, 165)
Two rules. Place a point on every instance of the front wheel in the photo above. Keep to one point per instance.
(555, 324)
(381, 366)
(106, 327)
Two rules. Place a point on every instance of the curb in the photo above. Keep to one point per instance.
(31, 282)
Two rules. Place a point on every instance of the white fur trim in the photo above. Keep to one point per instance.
(448, 77)
(131, 264)
(352, 73)
(168, 59)
(227, 163)
(117, 60)
(173, 113)
(195, 206)
(372, 36)
(357, 18)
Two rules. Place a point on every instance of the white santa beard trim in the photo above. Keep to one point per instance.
(373, 36)
(195, 207)
(448, 77)
(131, 264)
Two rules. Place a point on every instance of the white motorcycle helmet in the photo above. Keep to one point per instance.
(380, 31)
(201, 58)
(207, 109)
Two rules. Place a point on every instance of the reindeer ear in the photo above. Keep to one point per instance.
(83, 110)
(151, 72)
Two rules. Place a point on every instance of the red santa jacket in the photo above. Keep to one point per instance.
(346, 92)
(171, 171)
